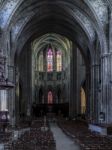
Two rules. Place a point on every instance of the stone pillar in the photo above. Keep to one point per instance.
(11, 106)
(0, 39)
(110, 91)
(104, 85)
(11, 99)
(88, 93)
(73, 83)
(17, 95)
(29, 82)
(90, 103)
(110, 69)
(95, 91)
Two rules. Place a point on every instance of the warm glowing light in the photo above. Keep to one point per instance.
(50, 97)
(83, 101)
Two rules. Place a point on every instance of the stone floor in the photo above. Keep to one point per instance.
(63, 142)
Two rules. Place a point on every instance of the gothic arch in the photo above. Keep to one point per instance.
(70, 5)
(59, 93)
(50, 94)
(41, 95)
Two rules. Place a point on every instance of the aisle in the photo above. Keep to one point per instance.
(63, 142)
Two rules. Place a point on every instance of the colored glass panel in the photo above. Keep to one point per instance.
(59, 61)
(49, 60)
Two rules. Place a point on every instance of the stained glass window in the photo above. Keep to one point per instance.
(41, 62)
(49, 60)
(50, 97)
(59, 60)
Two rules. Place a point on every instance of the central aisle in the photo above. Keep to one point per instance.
(63, 142)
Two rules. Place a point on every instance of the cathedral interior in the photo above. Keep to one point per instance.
(55, 74)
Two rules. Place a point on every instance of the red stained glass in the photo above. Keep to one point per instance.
(50, 97)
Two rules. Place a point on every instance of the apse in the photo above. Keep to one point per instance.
(50, 61)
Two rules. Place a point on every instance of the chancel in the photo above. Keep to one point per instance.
(55, 72)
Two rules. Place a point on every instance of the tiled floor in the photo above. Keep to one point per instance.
(63, 142)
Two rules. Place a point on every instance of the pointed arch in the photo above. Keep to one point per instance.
(41, 95)
(50, 97)
(59, 94)
(83, 101)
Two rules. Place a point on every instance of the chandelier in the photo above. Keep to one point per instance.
(4, 82)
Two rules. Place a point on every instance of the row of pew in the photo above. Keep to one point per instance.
(85, 138)
(4, 137)
(35, 139)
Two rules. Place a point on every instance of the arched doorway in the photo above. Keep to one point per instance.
(41, 96)
(59, 95)
(50, 97)
(83, 101)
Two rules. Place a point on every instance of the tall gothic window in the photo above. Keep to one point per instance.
(83, 101)
(50, 97)
(59, 61)
(41, 62)
(49, 60)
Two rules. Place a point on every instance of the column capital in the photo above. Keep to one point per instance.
(106, 55)
(95, 65)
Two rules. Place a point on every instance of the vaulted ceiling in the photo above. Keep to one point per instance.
(82, 21)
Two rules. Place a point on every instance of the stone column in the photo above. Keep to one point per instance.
(11, 100)
(95, 90)
(29, 83)
(88, 93)
(90, 103)
(110, 90)
(0, 39)
(12, 108)
(110, 68)
(73, 83)
(11, 103)
(104, 85)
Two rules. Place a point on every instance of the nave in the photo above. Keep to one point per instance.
(41, 135)
(56, 58)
